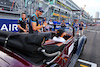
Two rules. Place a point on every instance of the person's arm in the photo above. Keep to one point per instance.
(34, 24)
(20, 26)
(64, 24)
(26, 26)
(64, 34)
(61, 23)
(78, 27)
(34, 27)
(38, 30)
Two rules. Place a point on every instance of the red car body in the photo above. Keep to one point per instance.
(8, 58)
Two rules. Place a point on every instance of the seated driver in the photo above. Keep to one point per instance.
(60, 36)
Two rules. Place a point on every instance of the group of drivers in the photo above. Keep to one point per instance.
(34, 26)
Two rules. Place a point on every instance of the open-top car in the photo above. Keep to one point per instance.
(29, 50)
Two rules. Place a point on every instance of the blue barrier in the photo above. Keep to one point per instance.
(11, 25)
(8, 25)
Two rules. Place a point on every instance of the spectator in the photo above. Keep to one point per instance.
(81, 28)
(63, 25)
(55, 23)
(22, 23)
(51, 25)
(44, 21)
(86, 26)
(76, 26)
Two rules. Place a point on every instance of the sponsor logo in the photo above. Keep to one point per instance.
(9, 27)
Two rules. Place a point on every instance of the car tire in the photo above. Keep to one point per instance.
(82, 49)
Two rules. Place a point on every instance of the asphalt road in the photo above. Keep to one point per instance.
(91, 50)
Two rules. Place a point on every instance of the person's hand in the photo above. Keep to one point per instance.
(45, 24)
(25, 30)
(26, 18)
(64, 34)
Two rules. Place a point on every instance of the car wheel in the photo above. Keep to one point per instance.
(83, 49)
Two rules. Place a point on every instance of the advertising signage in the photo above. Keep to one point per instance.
(55, 14)
(61, 4)
(8, 25)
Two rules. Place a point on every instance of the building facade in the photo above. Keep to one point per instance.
(61, 9)
(53, 9)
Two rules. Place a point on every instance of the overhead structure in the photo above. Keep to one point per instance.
(54, 9)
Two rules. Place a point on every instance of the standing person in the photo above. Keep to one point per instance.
(34, 23)
(44, 21)
(76, 26)
(51, 25)
(63, 24)
(22, 23)
(55, 23)
(86, 26)
(81, 28)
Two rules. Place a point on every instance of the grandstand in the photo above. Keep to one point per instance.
(5, 5)
(54, 9)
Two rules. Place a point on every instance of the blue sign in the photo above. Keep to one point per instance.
(9, 25)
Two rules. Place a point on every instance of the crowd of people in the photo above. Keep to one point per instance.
(79, 27)
(34, 25)
(42, 28)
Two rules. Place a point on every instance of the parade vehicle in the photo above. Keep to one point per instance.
(29, 50)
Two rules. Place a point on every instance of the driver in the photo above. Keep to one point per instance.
(35, 24)
(60, 36)
(34, 21)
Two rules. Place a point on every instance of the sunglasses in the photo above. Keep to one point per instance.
(41, 11)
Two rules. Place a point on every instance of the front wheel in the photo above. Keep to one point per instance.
(82, 49)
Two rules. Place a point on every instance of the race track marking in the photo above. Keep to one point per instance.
(87, 62)
(93, 31)
(98, 31)
(83, 65)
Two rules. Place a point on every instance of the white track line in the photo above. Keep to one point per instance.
(93, 31)
(87, 62)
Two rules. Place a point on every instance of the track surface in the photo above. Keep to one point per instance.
(91, 50)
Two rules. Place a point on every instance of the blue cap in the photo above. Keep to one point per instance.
(40, 9)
